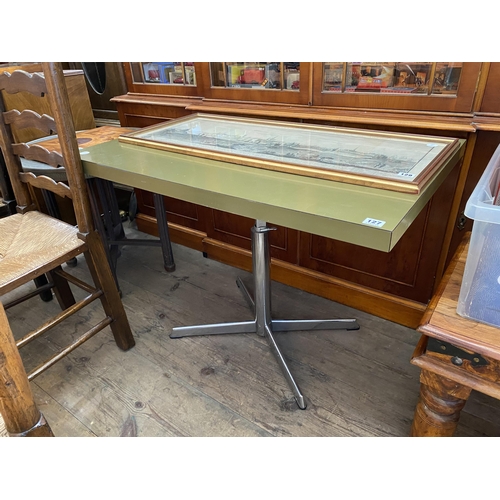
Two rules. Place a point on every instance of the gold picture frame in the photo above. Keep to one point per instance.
(386, 160)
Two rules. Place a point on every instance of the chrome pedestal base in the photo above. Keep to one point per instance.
(263, 324)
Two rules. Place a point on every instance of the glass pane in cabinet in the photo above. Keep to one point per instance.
(273, 76)
(411, 78)
(333, 73)
(291, 80)
(252, 74)
(151, 72)
(172, 73)
(446, 78)
(189, 74)
(178, 73)
(369, 76)
(262, 75)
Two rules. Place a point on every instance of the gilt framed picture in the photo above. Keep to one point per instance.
(386, 160)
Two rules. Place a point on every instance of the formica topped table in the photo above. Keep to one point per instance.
(366, 216)
(323, 207)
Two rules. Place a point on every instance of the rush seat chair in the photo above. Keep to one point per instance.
(33, 243)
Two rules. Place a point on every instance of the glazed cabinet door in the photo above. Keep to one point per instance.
(179, 212)
(273, 82)
(411, 86)
(165, 78)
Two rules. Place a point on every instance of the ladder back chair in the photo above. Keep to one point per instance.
(33, 243)
(102, 193)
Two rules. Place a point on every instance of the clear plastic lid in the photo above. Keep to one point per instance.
(484, 202)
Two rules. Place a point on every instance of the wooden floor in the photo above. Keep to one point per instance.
(357, 383)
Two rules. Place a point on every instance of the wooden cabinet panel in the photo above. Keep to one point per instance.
(144, 114)
(385, 272)
(236, 230)
(138, 120)
(371, 267)
(408, 271)
(178, 211)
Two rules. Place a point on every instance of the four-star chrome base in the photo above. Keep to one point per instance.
(263, 324)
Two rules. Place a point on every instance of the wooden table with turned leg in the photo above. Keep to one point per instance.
(457, 355)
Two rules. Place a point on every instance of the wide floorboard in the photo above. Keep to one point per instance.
(357, 383)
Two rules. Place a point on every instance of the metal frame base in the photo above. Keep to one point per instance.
(263, 324)
(109, 224)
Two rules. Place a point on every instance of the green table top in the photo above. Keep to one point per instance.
(370, 217)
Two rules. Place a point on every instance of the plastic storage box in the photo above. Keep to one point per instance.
(479, 297)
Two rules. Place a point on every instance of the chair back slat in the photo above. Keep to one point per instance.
(31, 119)
(21, 81)
(38, 153)
(44, 182)
(14, 168)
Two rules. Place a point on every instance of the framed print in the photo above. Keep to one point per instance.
(387, 160)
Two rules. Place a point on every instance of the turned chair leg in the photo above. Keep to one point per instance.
(19, 411)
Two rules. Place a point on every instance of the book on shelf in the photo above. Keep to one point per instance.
(234, 73)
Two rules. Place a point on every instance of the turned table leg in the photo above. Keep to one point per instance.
(18, 409)
(440, 403)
